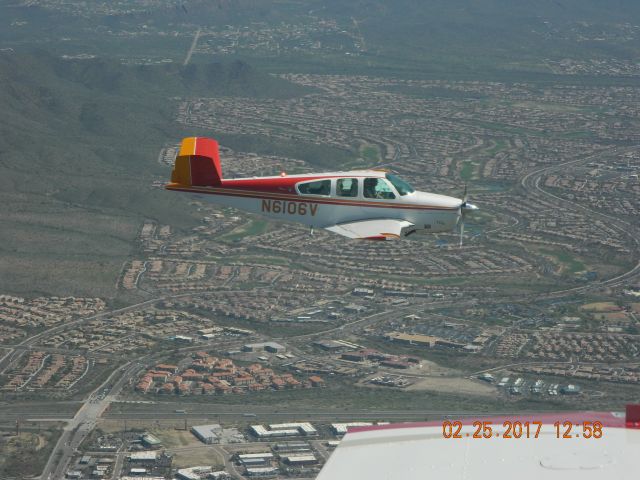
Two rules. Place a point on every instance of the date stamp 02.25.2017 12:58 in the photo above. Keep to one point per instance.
(521, 429)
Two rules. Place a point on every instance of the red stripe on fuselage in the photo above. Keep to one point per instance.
(272, 185)
(259, 195)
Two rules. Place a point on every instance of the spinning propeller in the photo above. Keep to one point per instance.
(465, 207)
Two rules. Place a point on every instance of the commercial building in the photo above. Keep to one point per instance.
(284, 430)
(292, 447)
(201, 473)
(262, 432)
(150, 441)
(271, 347)
(137, 477)
(262, 472)
(207, 433)
(255, 460)
(362, 292)
(142, 456)
(181, 339)
(411, 339)
(245, 456)
(341, 428)
(300, 460)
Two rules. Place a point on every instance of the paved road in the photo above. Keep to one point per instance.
(117, 467)
(531, 183)
(192, 48)
(83, 422)
(370, 319)
(306, 414)
(63, 351)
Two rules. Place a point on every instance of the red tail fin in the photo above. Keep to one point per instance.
(198, 163)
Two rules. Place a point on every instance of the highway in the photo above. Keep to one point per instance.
(83, 422)
(292, 415)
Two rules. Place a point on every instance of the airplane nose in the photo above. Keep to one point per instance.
(468, 207)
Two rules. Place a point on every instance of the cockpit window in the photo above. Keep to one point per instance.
(317, 187)
(377, 188)
(347, 187)
(402, 187)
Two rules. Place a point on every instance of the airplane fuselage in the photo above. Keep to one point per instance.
(360, 204)
(429, 212)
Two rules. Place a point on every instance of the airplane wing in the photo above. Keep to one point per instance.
(536, 448)
(378, 229)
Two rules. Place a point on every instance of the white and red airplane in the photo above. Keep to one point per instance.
(362, 204)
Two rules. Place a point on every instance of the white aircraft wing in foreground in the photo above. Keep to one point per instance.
(582, 446)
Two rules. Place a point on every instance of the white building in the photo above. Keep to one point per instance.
(307, 459)
(262, 472)
(207, 433)
(201, 473)
(284, 430)
(272, 347)
(255, 460)
(341, 428)
(143, 456)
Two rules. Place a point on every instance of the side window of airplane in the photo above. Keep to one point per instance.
(317, 187)
(377, 188)
(347, 187)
